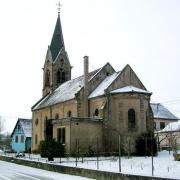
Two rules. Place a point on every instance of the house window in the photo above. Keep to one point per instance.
(16, 139)
(69, 114)
(36, 139)
(22, 138)
(131, 118)
(61, 135)
(162, 125)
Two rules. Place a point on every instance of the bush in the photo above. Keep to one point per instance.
(50, 149)
(144, 146)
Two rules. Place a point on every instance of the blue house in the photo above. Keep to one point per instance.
(21, 135)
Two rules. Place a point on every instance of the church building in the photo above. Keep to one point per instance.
(91, 110)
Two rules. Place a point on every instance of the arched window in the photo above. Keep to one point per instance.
(47, 78)
(69, 114)
(62, 61)
(96, 112)
(60, 76)
(57, 116)
(131, 118)
(63, 76)
(36, 121)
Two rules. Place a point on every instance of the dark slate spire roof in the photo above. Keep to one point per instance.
(57, 42)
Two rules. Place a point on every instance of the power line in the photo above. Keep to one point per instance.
(176, 101)
(173, 109)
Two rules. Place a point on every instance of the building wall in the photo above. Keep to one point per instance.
(82, 134)
(87, 134)
(93, 83)
(97, 103)
(67, 133)
(18, 146)
(64, 66)
(118, 119)
(47, 68)
(158, 121)
(126, 77)
(102, 74)
(50, 113)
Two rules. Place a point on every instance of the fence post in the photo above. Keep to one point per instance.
(145, 146)
(97, 155)
(76, 151)
(119, 143)
(152, 154)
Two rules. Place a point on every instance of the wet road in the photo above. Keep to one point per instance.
(10, 171)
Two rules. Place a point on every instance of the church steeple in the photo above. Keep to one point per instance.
(57, 68)
(57, 42)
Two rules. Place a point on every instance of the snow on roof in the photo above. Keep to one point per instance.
(130, 89)
(26, 125)
(174, 126)
(103, 85)
(160, 112)
(64, 92)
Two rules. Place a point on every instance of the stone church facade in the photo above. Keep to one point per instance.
(91, 110)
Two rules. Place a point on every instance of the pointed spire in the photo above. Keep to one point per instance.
(49, 55)
(57, 42)
(59, 7)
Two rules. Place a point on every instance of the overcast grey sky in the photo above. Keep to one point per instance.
(142, 33)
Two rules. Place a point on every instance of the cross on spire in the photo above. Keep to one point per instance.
(59, 6)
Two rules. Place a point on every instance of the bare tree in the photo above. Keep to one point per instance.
(170, 139)
(1, 124)
(1, 127)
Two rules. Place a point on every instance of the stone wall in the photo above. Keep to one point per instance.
(61, 109)
(95, 174)
(87, 132)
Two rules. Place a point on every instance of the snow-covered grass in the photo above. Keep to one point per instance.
(164, 164)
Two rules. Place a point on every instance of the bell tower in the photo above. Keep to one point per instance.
(57, 68)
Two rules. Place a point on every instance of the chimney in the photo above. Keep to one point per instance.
(86, 88)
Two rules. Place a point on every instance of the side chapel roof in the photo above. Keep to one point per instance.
(130, 89)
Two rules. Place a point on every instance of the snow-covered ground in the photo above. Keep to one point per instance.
(164, 164)
(10, 171)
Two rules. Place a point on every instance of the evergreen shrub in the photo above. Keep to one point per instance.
(50, 149)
